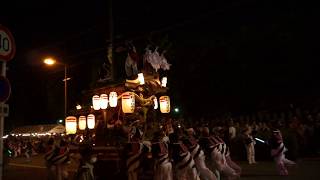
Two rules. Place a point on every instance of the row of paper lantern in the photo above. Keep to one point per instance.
(164, 80)
(84, 122)
(128, 102)
(102, 101)
(128, 106)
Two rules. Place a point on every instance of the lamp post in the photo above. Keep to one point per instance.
(50, 62)
(65, 90)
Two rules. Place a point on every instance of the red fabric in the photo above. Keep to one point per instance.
(183, 148)
(221, 140)
(193, 141)
(215, 140)
(135, 148)
(62, 150)
(49, 148)
(163, 149)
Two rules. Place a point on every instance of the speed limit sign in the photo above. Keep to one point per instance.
(7, 45)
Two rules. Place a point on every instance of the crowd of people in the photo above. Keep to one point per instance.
(192, 150)
(55, 150)
(191, 153)
(287, 136)
(23, 147)
(300, 131)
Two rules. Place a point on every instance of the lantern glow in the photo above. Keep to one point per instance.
(78, 107)
(113, 99)
(164, 104)
(128, 102)
(71, 125)
(141, 78)
(82, 122)
(164, 81)
(96, 102)
(104, 101)
(91, 122)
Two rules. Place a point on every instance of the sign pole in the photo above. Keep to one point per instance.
(7, 52)
(3, 73)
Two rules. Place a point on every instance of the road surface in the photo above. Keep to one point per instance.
(306, 169)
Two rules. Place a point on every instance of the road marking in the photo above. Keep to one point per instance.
(35, 166)
(27, 165)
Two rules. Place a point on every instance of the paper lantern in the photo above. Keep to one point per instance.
(155, 103)
(104, 101)
(71, 125)
(78, 107)
(82, 122)
(164, 82)
(91, 121)
(113, 99)
(96, 102)
(164, 104)
(141, 78)
(128, 102)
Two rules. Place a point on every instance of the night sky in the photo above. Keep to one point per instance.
(228, 56)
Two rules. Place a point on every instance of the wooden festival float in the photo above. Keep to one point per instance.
(140, 101)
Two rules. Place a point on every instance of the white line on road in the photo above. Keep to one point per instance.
(27, 165)
(35, 166)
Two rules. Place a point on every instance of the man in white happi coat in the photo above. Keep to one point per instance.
(198, 155)
(160, 153)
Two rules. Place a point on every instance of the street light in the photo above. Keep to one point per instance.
(50, 62)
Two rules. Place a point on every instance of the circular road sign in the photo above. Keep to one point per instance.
(7, 45)
(5, 89)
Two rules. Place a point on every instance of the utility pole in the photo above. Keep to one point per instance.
(65, 91)
(110, 40)
(3, 73)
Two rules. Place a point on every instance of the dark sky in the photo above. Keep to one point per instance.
(240, 56)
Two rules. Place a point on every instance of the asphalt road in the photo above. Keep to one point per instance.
(20, 168)
(306, 169)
